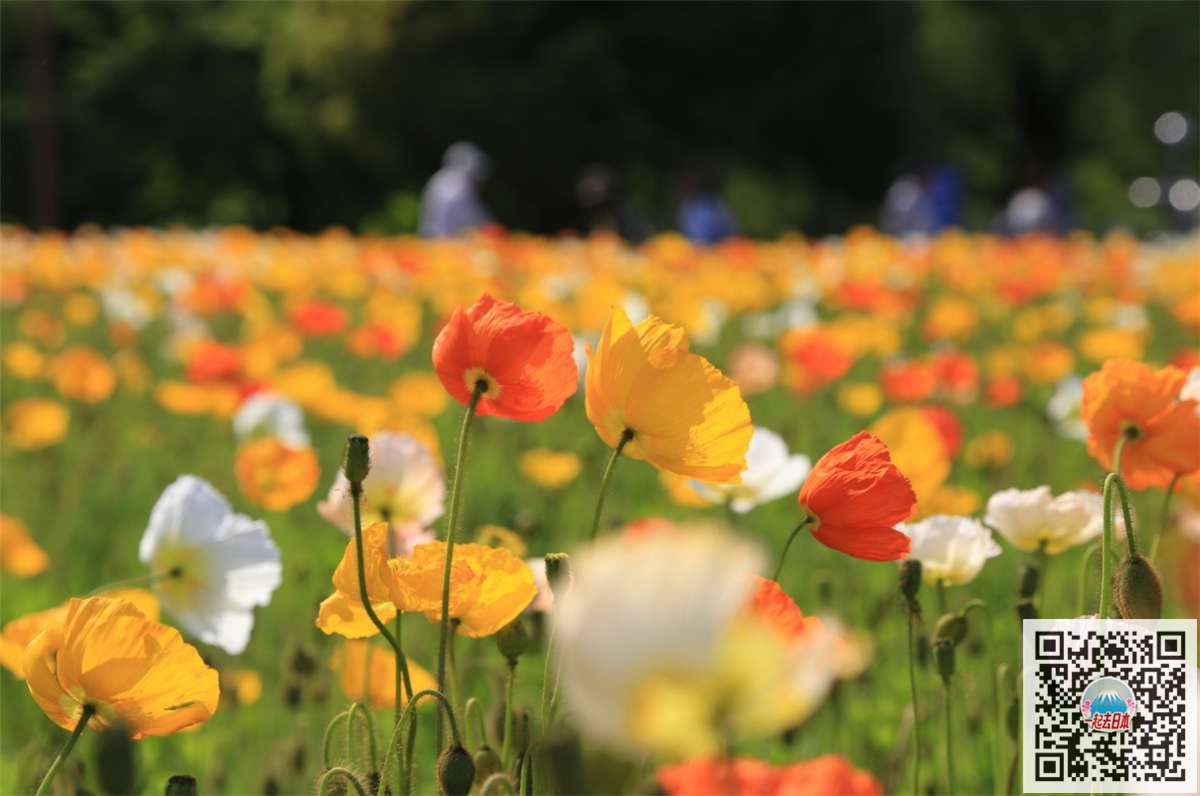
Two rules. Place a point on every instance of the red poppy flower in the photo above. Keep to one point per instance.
(856, 496)
(521, 360)
(948, 428)
(908, 381)
(209, 361)
(318, 318)
(771, 605)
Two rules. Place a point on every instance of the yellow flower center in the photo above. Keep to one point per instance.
(474, 377)
(185, 574)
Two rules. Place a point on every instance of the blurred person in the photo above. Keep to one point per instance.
(703, 216)
(908, 207)
(601, 196)
(450, 203)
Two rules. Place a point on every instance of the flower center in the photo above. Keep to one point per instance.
(1130, 431)
(186, 572)
(478, 379)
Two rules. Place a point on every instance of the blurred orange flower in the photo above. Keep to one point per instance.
(82, 374)
(367, 673)
(276, 475)
(908, 380)
(772, 606)
(828, 775)
(856, 496)
(522, 359)
(106, 653)
(318, 318)
(1131, 399)
(19, 554)
(210, 361)
(684, 415)
(33, 423)
(814, 359)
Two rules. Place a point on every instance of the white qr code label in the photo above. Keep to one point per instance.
(1109, 705)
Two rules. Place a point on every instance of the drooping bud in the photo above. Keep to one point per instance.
(512, 641)
(943, 655)
(487, 763)
(181, 785)
(358, 458)
(116, 760)
(1137, 592)
(1026, 609)
(456, 771)
(558, 565)
(1031, 575)
(910, 578)
(951, 627)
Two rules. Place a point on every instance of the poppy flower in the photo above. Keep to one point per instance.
(521, 360)
(82, 374)
(1034, 518)
(948, 427)
(674, 408)
(342, 612)
(771, 473)
(771, 605)
(489, 586)
(275, 474)
(318, 318)
(813, 358)
(34, 423)
(269, 414)
(856, 496)
(210, 361)
(550, 469)
(952, 550)
(108, 655)
(367, 673)
(917, 445)
(1132, 399)
(908, 380)
(19, 554)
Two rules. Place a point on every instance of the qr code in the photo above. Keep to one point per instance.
(1109, 704)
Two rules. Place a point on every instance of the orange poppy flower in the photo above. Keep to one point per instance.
(743, 776)
(826, 775)
(19, 554)
(855, 496)
(210, 361)
(908, 380)
(772, 606)
(318, 318)
(814, 358)
(1132, 399)
(275, 475)
(82, 374)
(522, 360)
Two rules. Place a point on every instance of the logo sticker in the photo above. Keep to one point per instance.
(1108, 704)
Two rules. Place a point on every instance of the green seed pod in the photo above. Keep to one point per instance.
(1137, 592)
(943, 655)
(558, 565)
(358, 458)
(1026, 609)
(1031, 576)
(181, 785)
(910, 578)
(456, 771)
(513, 641)
(487, 763)
(116, 760)
(951, 627)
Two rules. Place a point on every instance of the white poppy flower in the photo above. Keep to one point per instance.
(1030, 518)
(404, 488)
(215, 565)
(270, 414)
(1064, 408)
(952, 550)
(771, 473)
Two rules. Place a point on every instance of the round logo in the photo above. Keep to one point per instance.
(1108, 704)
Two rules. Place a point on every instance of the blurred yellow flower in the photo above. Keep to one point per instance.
(550, 469)
(419, 394)
(367, 673)
(19, 554)
(82, 374)
(185, 398)
(276, 475)
(955, 501)
(681, 491)
(989, 449)
(860, 398)
(916, 448)
(23, 361)
(950, 318)
(245, 685)
(1097, 345)
(80, 309)
(33, 423)
(42, 327)
(499, 536)
(1048, 362)
(684, 415)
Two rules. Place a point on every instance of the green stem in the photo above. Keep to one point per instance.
(506, 747)
(546, 672)
(129, 583)
(1086, 567)
(1105, 577)
(345, 774)
(991, 664)
(1165, 521)
(941, 597)
(84, 718)
(626, 437)
(356, 709)
(494, 782)
(912, 683)
(456, 490)
(406, 719)
(327, 744)
(950, 779)
(473, 709)
(804, 523)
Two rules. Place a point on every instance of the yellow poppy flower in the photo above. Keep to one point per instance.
(916, 448)
(684, 415)
(19, 554)
(107, 655)
(489, 586)
(342, 612)
(33, 423)
(860, 398)
(23, 361)
(83, 374)
(499, 536)
(550, 469)
(368, 674)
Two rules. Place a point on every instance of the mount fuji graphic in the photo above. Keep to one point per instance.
(1108, 701)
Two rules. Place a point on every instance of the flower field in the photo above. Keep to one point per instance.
(760, 518)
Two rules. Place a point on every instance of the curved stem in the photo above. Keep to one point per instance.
(456, 490)
(1126, 513)
(327, 744)
(1105, 547)
(1084, 568)
(626, 437)
(356, 709)
(492, 783)
(340, 772)
(506, 748)
(1165, 521)
(406, 718)
(949, 743)
(912, 683)
(804, 523)
(84, 718)
(356, 499)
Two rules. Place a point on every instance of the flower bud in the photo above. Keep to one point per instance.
(951, 627)
(1026, 609)
(358, 458)
(943, 654)
(487, 763)
(1137, 592)
(181, 785)
(512, 641)
(456, 771)
(558, 565)
(1031, 575)
(910, 578)
(116, 760)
